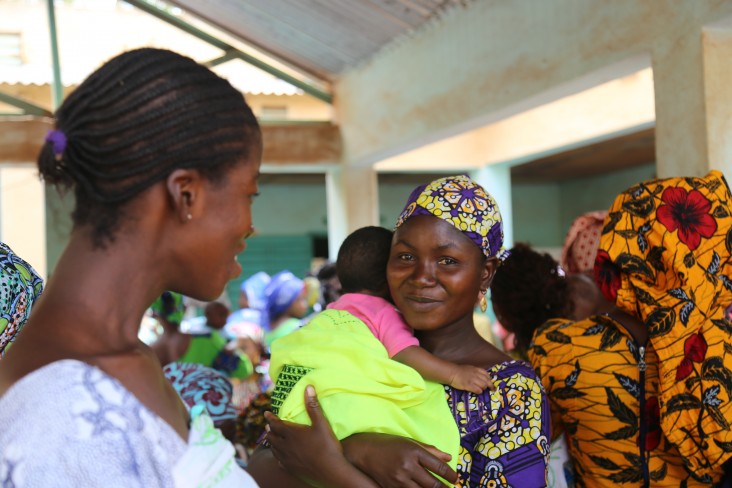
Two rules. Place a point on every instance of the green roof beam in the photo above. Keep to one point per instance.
(27, 107)
(220, 60)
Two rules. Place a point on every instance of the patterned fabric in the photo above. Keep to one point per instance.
(20, 286)
(465, 205)
(251, 422)
(209, 460)
(593, 373)
(198, 385)
(581, 243)
(505, 433)
(666, 256)
(288, 377)
(93, 433)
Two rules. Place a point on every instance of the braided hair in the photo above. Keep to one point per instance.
(528, 289)
(132, 122)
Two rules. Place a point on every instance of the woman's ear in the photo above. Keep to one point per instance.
(184, 191)
(490, 265)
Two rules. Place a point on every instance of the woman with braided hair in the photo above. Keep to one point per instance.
(162, 156)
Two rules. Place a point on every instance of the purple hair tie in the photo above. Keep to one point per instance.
(58, 141)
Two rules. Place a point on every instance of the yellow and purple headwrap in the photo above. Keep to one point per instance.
(666, 256)
(465, 205)
(20, 286)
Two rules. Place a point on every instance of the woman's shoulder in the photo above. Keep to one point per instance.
(73, 413)
(515, 368)
(509, 373)
(505, 432)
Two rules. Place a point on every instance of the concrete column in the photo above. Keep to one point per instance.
(718, 90)
(352, 202)
(693, 103)
(496, 179)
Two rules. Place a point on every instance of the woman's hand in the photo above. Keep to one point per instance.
(394, 461)
(313, 452)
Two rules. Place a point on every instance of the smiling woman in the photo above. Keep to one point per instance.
(446, 248)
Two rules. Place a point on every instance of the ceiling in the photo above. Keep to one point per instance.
(622, 152)
(323, 38)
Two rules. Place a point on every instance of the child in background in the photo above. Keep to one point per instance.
(361, 268)
(209, 349)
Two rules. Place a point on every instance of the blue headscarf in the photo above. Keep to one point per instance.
(282, 291)
(255, 287)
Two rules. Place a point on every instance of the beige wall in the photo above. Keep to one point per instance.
(22, 214)
(493, 60)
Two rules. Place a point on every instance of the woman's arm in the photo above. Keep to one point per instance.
(306, 452)
(394, 461)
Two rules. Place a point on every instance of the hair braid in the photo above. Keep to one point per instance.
(136, 119)
(528, 290)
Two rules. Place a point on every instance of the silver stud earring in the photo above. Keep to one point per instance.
(189, 217)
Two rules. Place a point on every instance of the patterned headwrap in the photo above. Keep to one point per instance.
(281, 292)
(199, 385)
(666, 256)
(20, 286)
(580, 245)
(465, 205)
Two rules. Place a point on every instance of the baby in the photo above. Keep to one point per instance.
(361, 268)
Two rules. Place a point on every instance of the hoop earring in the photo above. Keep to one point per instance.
(483, 304)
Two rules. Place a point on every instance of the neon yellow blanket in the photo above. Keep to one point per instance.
(359, 387)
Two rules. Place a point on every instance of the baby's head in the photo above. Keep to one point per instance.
(361, 263)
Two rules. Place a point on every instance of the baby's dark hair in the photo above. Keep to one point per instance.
(362, 258)
(132, 122)
(528, 290)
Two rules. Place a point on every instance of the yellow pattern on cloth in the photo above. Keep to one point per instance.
(359, 388)
(666, 256)
(590, 372)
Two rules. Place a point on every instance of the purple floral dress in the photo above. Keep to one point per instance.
(505, 434)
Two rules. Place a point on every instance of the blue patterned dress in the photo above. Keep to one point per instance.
(505, 434)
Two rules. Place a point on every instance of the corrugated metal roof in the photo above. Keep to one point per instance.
(245, 78)
(321, 37)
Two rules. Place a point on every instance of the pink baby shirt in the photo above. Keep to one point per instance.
(380, 316)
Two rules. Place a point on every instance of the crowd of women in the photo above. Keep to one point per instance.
(623, 351)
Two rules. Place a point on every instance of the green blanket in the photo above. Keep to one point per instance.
(359, 387)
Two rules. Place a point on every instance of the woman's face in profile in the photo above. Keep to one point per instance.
(221, 228)
(434, 273)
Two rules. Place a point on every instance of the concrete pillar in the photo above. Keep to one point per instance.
(352, 202)
(694, 103)
(718, 89)
(496, 179)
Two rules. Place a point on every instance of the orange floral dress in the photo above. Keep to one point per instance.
(603, 393)
(666, 256)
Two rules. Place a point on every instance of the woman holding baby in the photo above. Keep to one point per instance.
(446, 248)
